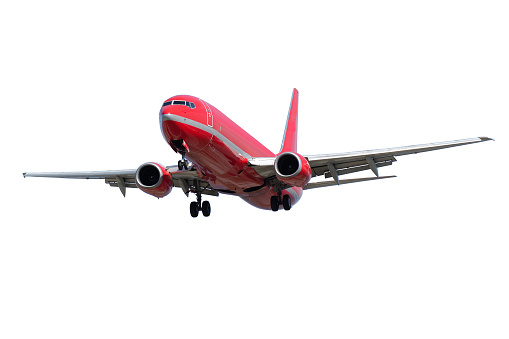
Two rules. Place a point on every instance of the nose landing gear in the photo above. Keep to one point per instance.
(181, 147)
(183, 164)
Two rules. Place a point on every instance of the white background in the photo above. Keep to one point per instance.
(424, 255)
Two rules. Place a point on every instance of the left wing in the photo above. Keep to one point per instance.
(188, 180)
(334, 165)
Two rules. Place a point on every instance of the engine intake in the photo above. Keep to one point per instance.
(292, 169)
(152, 178)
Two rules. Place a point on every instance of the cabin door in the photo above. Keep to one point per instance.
(210, 117)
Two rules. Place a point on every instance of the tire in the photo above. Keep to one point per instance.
(193, 208)
(274, 203)
(287, 202)
(205, 208)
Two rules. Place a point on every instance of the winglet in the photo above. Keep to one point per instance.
(289, 143)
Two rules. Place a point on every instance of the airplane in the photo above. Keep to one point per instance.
(219, 157)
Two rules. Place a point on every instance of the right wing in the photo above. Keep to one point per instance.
(335, 165)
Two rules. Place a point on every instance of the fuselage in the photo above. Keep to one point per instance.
(218, 148)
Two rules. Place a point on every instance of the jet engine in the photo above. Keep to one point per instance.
(292, 169)
(152, 178)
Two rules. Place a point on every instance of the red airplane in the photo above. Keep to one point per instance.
(219, 157)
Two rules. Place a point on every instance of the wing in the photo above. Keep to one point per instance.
(188, 180)
(335, 165)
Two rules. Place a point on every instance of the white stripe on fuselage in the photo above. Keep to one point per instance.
(205, 128)
(295, 195)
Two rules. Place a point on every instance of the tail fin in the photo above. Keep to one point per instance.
(289, 143)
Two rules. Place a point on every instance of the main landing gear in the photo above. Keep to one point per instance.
(195, 208)
(276, 201)
(198, 205)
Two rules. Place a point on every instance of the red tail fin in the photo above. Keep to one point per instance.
(290, 137)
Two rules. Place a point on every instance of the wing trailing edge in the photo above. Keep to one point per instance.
(326, 183)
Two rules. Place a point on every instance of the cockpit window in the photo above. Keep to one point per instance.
(180, 102)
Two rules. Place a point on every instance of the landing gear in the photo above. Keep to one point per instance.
(276, 201)
(195, 208)
(198, 205)
(181, 147)
(183, 164)
(205, 208)
(287, 202)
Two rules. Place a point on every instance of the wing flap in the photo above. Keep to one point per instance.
(327, 183)
(347, 167)
(193, 185)
(358, 168)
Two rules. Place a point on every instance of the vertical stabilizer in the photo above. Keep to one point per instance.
(289, 143)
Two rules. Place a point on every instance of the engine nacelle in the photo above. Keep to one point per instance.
(292, 169)
(152, 178)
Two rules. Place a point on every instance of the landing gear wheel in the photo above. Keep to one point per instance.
(194, 209)
(183, 165)
(274, 203)
(287, 202)
(205, 208)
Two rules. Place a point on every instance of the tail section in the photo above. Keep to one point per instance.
(289, 143)
(292, 168)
